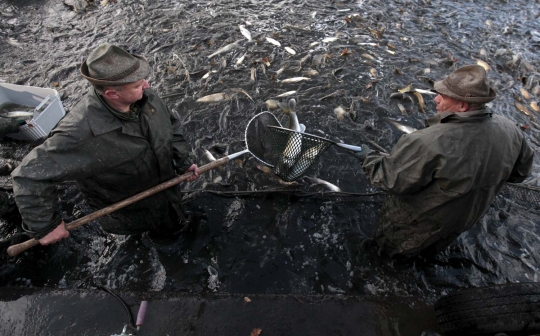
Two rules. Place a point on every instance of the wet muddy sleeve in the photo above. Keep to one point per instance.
(61, 157)
(407, 169)
(523, 166)
(8, 125)
(181, 148)
(4, 203)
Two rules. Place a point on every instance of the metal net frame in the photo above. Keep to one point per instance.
(257, 137)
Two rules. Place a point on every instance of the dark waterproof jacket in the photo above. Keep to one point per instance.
(441, 180)
(111, 159)
(7, 126)
(4, 203)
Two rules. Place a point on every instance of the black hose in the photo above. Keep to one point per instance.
(128, 311)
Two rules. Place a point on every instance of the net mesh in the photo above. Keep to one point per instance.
(293, 153)
(523, 192)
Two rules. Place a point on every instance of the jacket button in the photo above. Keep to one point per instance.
(153, 110)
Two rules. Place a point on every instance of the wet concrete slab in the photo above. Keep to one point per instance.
(26, 311)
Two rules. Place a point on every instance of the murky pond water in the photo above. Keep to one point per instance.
(283, 242)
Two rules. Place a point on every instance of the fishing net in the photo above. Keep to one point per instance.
(523, 192)
(290, 153)
(293, 153)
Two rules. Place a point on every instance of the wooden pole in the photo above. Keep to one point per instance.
(18, 248)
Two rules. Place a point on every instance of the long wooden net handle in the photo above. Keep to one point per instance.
(18, 248)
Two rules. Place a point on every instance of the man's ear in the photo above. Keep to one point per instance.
(111, 94)
(463, 107)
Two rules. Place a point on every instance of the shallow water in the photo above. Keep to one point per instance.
(281, 243)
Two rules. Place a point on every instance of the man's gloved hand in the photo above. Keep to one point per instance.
(362, 154)
(21, 122)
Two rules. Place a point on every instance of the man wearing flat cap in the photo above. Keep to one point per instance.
(119, 140)
(440, 180)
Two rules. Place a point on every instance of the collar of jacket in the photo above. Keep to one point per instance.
(102, 118)
(461, 117)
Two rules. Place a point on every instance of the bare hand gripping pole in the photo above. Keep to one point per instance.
(256, 135)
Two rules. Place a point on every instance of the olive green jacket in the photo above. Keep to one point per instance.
(110, 158)
(441, 179)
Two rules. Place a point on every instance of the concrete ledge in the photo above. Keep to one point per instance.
(88, 312)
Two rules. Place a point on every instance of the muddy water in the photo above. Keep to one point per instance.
(277, 242)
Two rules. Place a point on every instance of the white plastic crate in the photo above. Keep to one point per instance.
(47, 113)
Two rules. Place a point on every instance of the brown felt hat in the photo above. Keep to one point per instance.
(468, 84)
(111, 65)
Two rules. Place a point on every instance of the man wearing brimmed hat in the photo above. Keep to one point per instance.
(119, 140)
(441, 180)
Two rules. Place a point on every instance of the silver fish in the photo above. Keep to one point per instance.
(254, 74)
(330, 39)
(13, 42)
(426, 92)
(286, 94)
(404, 128)
(304, 59)
(402, 109)
(340, 112)
(294, 143)
(272, 104)
(368, 56)
(245, 32)
(239, 90)
(311, 72)
(209, 156)
(305, 161)
(274, 42)
(226, 48)
(240, 60)
(330, 186)
(402, 96)
(290, 50)
(269, 171)
(214, 98)
(294, 124)
(17, 114)
(295, 80)
(278, 72)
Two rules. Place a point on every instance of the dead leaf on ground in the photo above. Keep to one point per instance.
(346, 52)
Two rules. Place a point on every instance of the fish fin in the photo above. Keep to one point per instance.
(302, 128)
